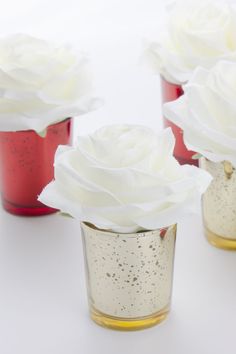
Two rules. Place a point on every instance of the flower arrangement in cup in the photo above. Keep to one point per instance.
(42, 85)
(129, 192)
(197, 33)
(206, 113)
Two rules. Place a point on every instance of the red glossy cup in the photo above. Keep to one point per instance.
(171, 92)
(26, 167)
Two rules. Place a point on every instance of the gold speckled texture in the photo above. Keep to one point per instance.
(129, 275)
(219, 201)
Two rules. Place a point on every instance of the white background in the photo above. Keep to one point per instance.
(43, 306)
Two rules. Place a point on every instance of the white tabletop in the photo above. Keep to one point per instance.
(43, 304)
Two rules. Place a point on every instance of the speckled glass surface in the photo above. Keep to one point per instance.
(219, 201)
(26, 167)
(129, 275)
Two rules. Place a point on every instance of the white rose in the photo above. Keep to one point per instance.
(40, 84)
(124, 178)
(198, 33)
(207, 112)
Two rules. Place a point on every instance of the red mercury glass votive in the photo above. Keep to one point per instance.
(26, 167)
(171, 92)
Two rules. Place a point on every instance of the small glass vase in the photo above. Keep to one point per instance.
(171, 92)
(129, 276)
(26, 167)
(219, 204)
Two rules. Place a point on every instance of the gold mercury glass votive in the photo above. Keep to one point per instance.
(219, 204)
(129, 276)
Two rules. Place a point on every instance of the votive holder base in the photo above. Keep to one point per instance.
(27, 211)
(127, 324)
(219, 241)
